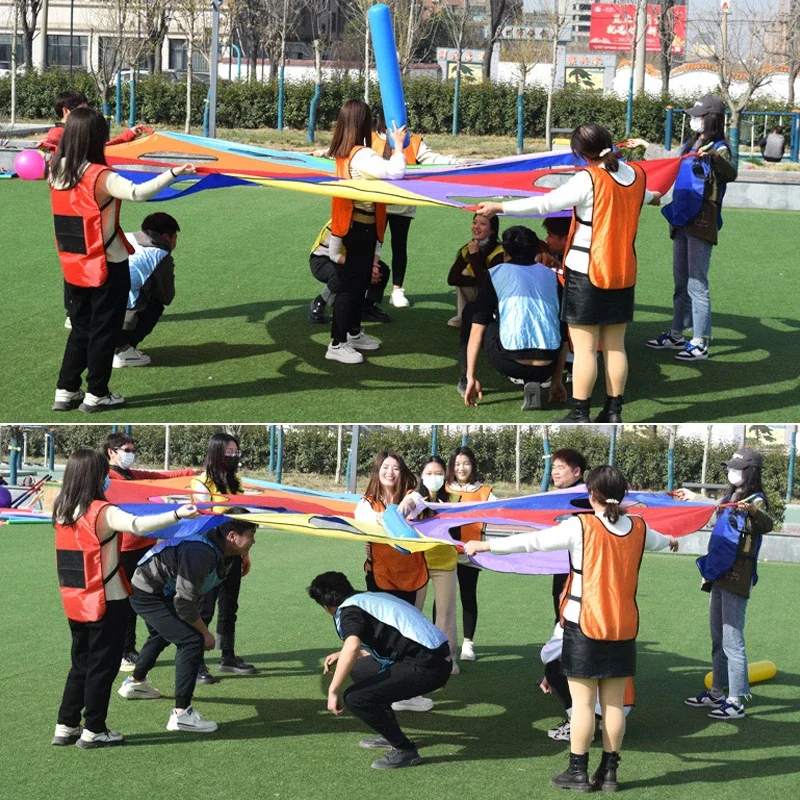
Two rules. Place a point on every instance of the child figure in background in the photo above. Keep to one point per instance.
(473, 261)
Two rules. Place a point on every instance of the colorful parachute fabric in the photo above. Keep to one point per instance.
(223, 164)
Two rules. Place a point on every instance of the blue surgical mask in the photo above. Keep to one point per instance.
(106, 484)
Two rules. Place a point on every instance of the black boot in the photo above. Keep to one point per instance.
(605, 776)
(612, 410)
(577, 775)
(579, 413)
(316, 311)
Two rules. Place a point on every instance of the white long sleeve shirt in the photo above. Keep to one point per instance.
(568, 535)
(577, 193)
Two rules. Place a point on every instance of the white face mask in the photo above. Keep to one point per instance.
(735, 477)
(433, 482)
(696, 124)
(126, 459)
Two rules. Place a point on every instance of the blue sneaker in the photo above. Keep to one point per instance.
(692, 352)
(666, 342)
(728, 710)
(705, 700)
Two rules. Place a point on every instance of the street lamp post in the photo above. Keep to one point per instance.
(71, 32)
(213, 68)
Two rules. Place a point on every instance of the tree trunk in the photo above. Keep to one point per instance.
(794, 68)
(28, 36)
(189, 53)
(551, 89)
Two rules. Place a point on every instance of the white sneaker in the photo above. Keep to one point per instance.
(417, 703)
(143, 690)
(66, 401)
(189, 720)
(66, 735)
(343, 352)
(362, 342)
(130, 358)
(561, 732)
(398, 298)
(467, 651)
(456, 669)
(68, 324)
(90, 740)
(454, 322)
(92, 403)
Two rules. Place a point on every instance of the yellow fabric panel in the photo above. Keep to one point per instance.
(444, 557)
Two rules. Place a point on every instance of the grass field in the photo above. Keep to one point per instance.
(486, 736)
(235, 345)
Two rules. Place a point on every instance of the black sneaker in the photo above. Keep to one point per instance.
(204, 676)
(235, 664)
(316, 311)
(395, 759)
(374, 313)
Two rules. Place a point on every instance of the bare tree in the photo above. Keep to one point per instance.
(246, 18)
(191, 18)
(156, 19)
(111, 25)
(359, 22)
(666, 34)
(792, 46)
(28, 15)
(455, 19)
(498, 14)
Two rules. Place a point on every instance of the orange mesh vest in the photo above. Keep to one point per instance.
(79, 230)
(342, 208)
(474, 531)
(411, 152)
(79, 566)
(615, 220)
(394, 570)
(609, 579)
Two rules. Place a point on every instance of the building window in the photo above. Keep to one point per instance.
(178, 60)
(58, 48)
(5, 50)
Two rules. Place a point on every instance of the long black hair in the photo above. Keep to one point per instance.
(216, 465)
(589, 140)
(450, 477)
(84, 139)
(441, 496)
(83, 482)
(751, 484)
(607, 483)
(713, 131)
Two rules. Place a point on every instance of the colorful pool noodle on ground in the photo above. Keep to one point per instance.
(383, 43)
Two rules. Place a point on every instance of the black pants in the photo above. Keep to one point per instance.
(559, 581)
(226, 598)
(165, 628)
(409, 597)
(497, 354)
(97, 316)
(398, 227)
(354, 277)
(558, 683)
(96, 652)
(468, 589)
(128, 561)
(146, 320)
(324, 270)
(371, 696)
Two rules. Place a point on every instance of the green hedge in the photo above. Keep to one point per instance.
(485, 109)
(312, 449)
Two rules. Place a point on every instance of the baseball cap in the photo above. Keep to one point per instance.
(707, 104)
(744, 457)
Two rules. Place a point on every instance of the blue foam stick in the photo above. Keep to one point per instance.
(396, 526)
(383, 43)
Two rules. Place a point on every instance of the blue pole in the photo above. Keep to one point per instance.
(668, 129)
(629, 112)
(352, 461)
(107, 112)
(51, 451)
(119, 98)
(671, 465)
(280, 98)
(733, 136)
(794, 139)
(520, 123)
(792, 457)
(272, 448)
(114, 428)
(548, 460)
(312, 113)
(464, 439)
(238, 60)
(207, 114)
(279, 466)
(132, 109)
(434, 440)
(13, 455)
(612, 445)
(456, 99)
(128, 430)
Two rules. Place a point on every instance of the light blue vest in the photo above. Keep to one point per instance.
(142, 264)
(528, 306)
(391, 610)
(212, 580)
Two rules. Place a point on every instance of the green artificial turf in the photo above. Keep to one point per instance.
(236, 345)
(485, 738)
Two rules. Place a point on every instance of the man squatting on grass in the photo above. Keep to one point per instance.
(391, 650)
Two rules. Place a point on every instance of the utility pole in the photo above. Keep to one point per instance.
(213, 69)
(641, 47)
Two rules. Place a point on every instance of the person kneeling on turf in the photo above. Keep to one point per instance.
(323, 268)
(391, 650)
(168, 586)
(152, 285)
(515, 321)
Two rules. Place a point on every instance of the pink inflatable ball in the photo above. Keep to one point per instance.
(30, 165)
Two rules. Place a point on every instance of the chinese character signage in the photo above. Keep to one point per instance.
(612, 27)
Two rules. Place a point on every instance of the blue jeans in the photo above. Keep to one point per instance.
(728, 658)
(691, 301)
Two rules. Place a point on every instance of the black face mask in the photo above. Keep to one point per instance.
(231, 463)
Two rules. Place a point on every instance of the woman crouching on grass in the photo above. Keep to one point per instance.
(95, 592)
(600, 616)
